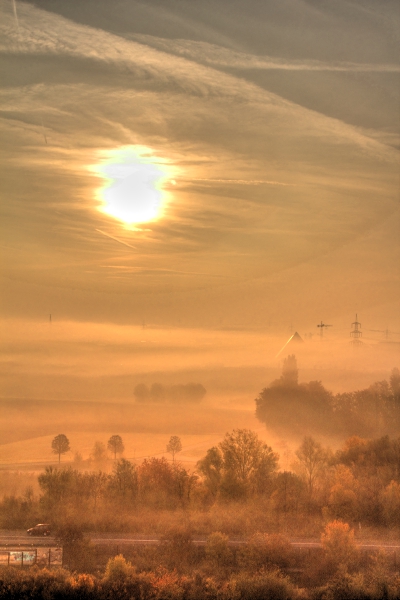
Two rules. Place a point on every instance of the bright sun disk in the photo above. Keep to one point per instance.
(133, 186)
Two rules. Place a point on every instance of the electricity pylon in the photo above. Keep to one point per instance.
(356, 334)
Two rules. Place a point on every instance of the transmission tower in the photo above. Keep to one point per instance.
(388, 333)
(322, 326)
(355, 333)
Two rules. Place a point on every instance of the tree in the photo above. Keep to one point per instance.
(174, 446)
(78, 552)
(141, 392)
(339, 545)
(124, 480)
(312, 458)
(115, 445)
(211, 467)
(395, 383)
(288, 492)
(60, 445)
(99, 454)
(93, 485)
(56, 485)
(286, 404)
(157, 392)
(248, 462)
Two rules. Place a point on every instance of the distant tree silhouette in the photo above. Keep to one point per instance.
(306, 406)
(115, 445)
(99, 453)
(157, 392)
(395, 389)
(395, 382)
(174, 446)
(60, 445)
(189, 392)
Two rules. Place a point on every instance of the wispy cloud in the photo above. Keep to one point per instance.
(264, 185)
(42, 32)
(211, 54)
(112, 237)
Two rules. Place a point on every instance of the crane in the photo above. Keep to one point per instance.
(322, 325)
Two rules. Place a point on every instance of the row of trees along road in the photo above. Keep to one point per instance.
(358, 483)
(60, 445)
(240, 467)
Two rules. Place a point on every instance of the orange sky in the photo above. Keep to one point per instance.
(275, 126)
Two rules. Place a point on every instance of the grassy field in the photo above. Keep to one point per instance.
(145, 429)
(137, 447)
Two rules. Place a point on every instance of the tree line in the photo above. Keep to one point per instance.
(289, 406)
(60, 445)
(359, 483)
(158, 392)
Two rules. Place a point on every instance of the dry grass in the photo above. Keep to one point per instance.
(145, 429)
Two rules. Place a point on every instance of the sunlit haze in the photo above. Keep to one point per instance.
(167, 171)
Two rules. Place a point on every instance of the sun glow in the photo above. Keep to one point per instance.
(133, 190)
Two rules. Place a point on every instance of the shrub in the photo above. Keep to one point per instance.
(177, 547)
(343, 587)
(339, 546)
(266, 585)
(217, 549)
(264, 550)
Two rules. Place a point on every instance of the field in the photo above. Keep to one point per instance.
(145, 430)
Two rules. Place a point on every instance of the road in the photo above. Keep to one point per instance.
(20, 538)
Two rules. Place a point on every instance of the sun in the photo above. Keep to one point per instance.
(133, 185)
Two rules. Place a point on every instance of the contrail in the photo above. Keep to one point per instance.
(243, 181)
(16, 14)
(115, 239)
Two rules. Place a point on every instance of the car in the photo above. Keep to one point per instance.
(39, 529)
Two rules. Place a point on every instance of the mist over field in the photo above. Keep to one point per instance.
(199, 308)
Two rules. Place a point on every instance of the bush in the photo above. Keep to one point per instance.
(339, 546)
(218, 553)
(78, 552)
(177, 547)
(343, 587)
(264, 550)
(266, 585)
(118, 568)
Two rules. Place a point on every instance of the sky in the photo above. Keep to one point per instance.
(196, 167)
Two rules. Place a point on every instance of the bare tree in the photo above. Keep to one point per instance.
(115, 445)
(174, 446)
(60, 445)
